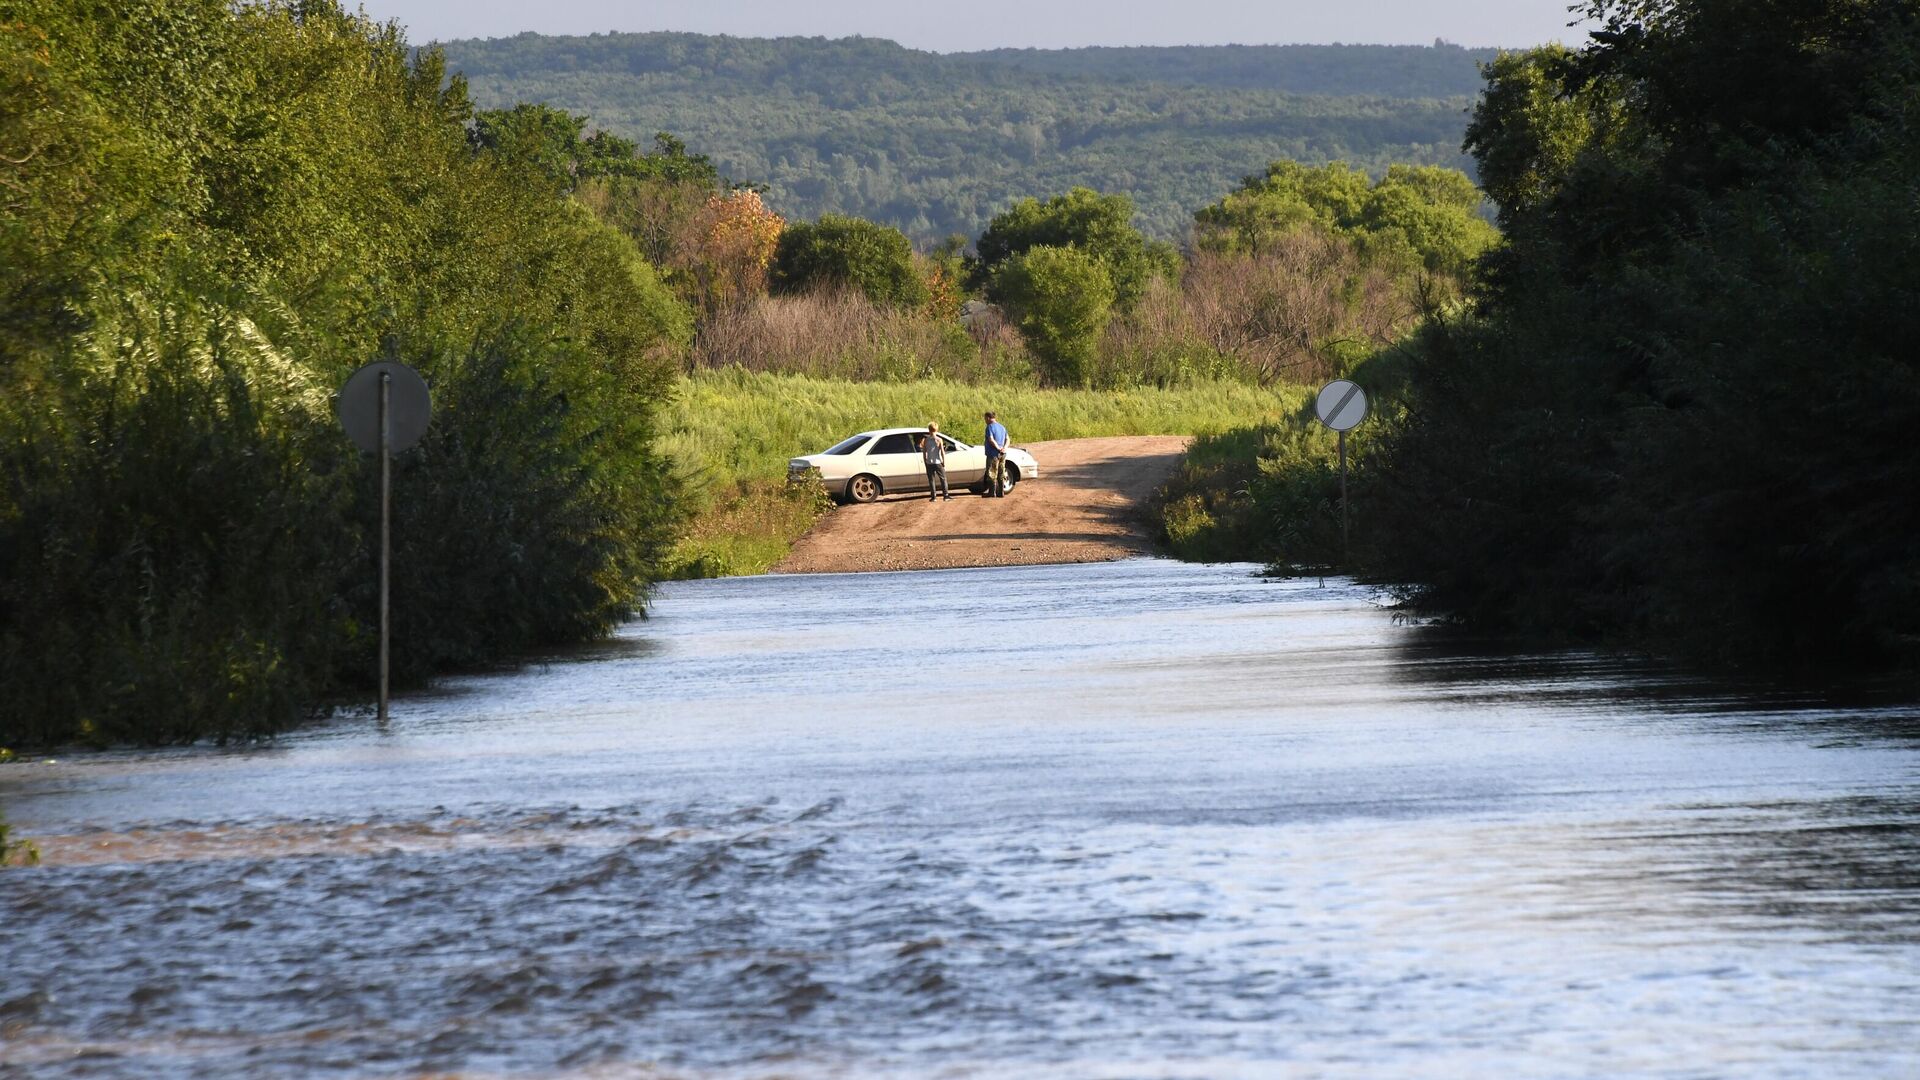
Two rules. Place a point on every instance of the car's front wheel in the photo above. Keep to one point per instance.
(985, 485)
(863, 489)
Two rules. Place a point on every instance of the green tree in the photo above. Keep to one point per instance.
(1061, 299)
(1681, 413)
(213, 214)
(1289, 196)
(847, 252)
(1418, 216)
(1529, 125)
(1433, 213)
(1101, 226)
(936, 144)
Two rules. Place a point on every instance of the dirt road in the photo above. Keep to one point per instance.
(1086, 507)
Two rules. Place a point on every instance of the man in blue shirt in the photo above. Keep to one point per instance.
(996, 457)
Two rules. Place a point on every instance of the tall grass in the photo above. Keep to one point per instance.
(732, 425)
(732, 431)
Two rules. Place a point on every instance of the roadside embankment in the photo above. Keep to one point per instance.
(732, 431)
(1087, 506)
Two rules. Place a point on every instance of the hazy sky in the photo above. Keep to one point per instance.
(983, 24)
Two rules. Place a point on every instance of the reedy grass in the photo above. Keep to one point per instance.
(731, 425)
(731, 432)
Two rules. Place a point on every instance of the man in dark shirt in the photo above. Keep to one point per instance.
(996, 457)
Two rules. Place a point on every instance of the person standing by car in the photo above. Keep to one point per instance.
(996, 457)
(935, 454)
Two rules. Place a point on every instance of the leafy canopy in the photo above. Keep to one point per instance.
(1424, 216)
(215, 212)
(1683, 412)
(847, 252)
(1099, 226)
(1061, 299)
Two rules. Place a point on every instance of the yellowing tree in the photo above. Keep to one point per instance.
(733, 241)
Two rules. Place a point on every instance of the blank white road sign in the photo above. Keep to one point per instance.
(1341, 405)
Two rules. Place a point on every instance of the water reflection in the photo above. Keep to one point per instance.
(1151, 820)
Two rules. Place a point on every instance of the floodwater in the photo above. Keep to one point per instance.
(1137, 819)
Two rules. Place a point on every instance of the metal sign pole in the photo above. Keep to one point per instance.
(1341, 405)
(386, 535)
(385, 408)
(1343, 496)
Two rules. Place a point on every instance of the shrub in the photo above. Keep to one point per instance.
(1061, 300)
(174, 537)
(843, 252)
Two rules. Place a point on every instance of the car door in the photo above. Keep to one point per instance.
(965, 464)
(897, 462)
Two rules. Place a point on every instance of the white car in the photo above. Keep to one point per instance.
(863, 467)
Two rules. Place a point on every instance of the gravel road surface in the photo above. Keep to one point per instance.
(1087, 506)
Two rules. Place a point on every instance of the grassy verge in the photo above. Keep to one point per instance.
(12, 852)
(733, 431)
(1270, 491)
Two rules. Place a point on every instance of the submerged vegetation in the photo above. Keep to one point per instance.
(1678, 409)
(1682, 411)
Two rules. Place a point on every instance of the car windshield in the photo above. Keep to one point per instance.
(848, 446)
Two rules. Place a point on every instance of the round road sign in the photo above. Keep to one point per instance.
(408, 406)
(1341, 405)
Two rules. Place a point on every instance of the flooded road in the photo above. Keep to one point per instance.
(1135, 819)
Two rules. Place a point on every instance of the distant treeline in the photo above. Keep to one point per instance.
(1441, 70)
(937, 145)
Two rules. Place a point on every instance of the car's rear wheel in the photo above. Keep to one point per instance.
(864, 489)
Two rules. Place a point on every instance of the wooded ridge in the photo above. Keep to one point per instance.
(937, 144)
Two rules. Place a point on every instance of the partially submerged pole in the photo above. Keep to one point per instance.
(1343, 496)
(386, 527)
(1340, 405)
(385, 408)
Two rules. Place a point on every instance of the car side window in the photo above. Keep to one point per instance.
(897, 443)
(848, 446)
(949, 443)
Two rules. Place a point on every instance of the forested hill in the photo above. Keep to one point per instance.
(937, 144)
(1401, 71)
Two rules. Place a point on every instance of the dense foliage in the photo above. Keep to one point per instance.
(1423, 217)
(209, 215)
(1099, 226)
(1061, 299)
(848, 253)
(1301, 299)
(938, 144)
(1684, 411)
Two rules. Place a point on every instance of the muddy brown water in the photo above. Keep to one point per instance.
(1133, 819)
